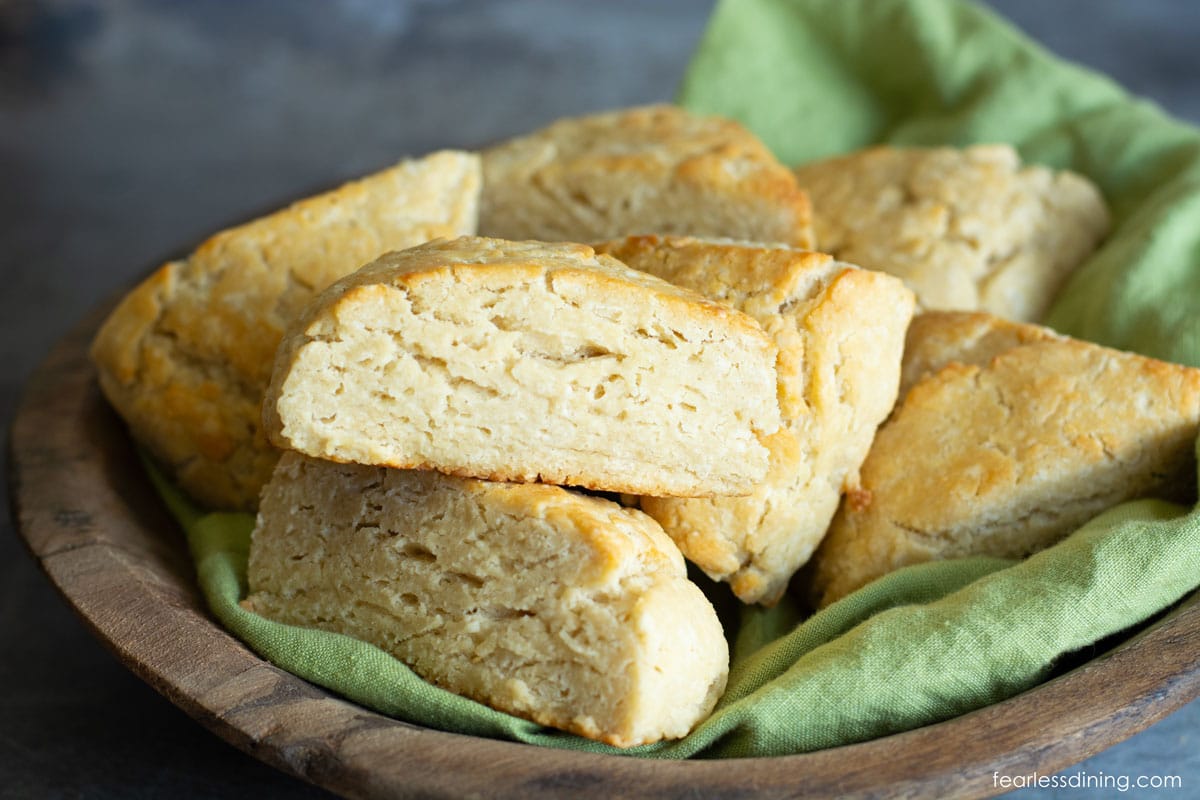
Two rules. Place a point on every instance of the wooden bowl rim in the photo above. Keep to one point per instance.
(89, 517)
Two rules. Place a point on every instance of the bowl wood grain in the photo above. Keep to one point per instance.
(93, 522)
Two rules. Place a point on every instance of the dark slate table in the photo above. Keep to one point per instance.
(129, 129)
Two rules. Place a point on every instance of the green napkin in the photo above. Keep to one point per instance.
(815, 77)
(818, 77)
(920, 645)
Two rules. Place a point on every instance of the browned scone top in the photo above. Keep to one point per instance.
(652, 169)
(1009, 446)
(528, 361)
(565, 609)
(968, 229)
(186, 355)
(840, 333)
(936, 339)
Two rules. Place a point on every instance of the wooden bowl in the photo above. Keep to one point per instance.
(104, 538)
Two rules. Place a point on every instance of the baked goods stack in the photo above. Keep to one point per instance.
(1006, 435)
(422, 380)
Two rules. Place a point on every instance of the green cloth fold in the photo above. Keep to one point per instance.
(920, 645)
(816, 77)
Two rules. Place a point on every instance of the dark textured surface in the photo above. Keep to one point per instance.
(128, 130)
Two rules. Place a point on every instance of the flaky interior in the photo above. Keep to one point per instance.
(535, 375)
(186, 357)
(565, 609)
(839, 332)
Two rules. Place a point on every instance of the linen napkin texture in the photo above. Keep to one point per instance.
(815, 78)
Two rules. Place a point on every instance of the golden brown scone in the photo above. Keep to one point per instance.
(654, 169)
(937, 338)
(840, 334)
(564, 609)
(967, 229)
(527, 361)
(1008, 450)
(187, 354)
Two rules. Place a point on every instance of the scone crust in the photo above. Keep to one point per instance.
(527, 361)
(561, 608)
(650, 169)
(840, 333)
(968, 229)
(1004, 452)
(938, 338)
(186, 356)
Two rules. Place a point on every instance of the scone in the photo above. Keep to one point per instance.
(527, 361)
(564, 609)
(186, 356)
(967, 229)
(654, 169)
(840, 334)
(938, 338)
(1005, 451)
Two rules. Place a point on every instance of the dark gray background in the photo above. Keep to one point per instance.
(129, 129)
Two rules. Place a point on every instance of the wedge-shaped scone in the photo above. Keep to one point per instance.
(840, 334)
(967, 229)
(565, 609)
(653, 169)
(938, 338)
(186, 356)
(527, 361)
(1009, 448)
